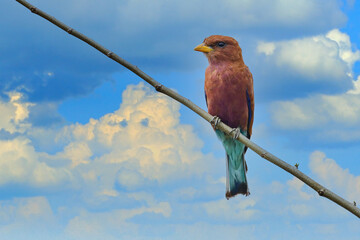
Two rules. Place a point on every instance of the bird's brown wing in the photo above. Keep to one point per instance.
(251, 106)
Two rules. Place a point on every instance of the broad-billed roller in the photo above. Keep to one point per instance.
(229, 95)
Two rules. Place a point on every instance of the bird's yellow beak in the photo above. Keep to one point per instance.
(203, 48)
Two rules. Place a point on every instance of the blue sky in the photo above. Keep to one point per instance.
(89, 151)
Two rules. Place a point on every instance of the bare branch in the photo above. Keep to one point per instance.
(321, 190)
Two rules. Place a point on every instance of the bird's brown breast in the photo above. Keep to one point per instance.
(225, 88)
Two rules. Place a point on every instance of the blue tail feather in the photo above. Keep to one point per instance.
(236, 181)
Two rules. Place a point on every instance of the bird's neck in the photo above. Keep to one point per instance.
(214, 63)
(221, 59)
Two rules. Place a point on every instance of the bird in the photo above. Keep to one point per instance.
(229, 96)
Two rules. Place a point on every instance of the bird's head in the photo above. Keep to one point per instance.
(219, 49)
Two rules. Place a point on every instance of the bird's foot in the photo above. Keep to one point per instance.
(215, 121)
(236, 132)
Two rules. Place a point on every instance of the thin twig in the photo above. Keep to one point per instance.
(321, 190)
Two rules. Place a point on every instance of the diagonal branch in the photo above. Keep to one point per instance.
(321, 190)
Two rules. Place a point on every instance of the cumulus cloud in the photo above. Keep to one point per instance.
(317, 111)
(37, 220)
(327, 57)
(19, 161)
(330, 118)
(356, 87)
(304, 66)
(295, 186)
(14, 113)
(26, 209)
(143, 140)
(111, 163)
(111, 224)
(334, 176)
(266, 48)
(296, 200)
(334, 112)
(346, 52)
(21, 164)
(236, 210)
(33, 215)
(140, 144)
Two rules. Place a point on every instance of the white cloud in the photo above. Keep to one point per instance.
(333, 55)
(143, 139)
(267, 48)
(75, 152)
(317, 111)
(317, 58)
(26, 209)
(301, 209)
(232, 210)
(131, 148)
(356, 87)
(276, 187)
(346, 52)
(333, 176)
(108, 225)
(140, 144)
(295, 187)
(20, 164)
(335, 135)
(27, 218)
(13, 113)
(33, 218)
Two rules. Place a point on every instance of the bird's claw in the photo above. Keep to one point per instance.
(215, 121)
(236, 132)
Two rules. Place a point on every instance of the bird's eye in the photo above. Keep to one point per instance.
(221, 44)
